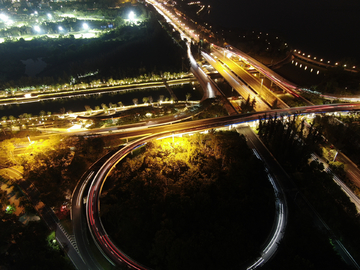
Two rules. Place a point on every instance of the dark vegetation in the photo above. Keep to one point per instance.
(135, 115)
(292, 143)
(55, 166)
(289, 140)
(210, 108)
(339, 81)
(198, 202)
(27, 246)
(331, 80)
(343, 132)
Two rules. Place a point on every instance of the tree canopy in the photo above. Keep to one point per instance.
(197, 202)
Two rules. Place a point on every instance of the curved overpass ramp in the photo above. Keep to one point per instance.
(98, 232)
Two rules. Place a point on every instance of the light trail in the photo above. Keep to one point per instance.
(78, 202)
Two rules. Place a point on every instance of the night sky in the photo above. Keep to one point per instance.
(328, 27)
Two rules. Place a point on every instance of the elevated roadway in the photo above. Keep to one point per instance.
(118, 257)
(236, 83)
(307, 58)
(208, 85)
(254, 83)
(271, 75)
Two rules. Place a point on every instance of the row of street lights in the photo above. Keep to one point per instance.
(37, 28)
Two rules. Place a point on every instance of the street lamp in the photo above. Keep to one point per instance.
(4, 17)
(131, 16)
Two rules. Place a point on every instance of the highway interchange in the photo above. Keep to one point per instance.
(94, 181)
(85, 210)
(85, 201)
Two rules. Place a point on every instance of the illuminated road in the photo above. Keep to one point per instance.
(277, 179)
(118, 257)
(90, 254)
(189, 34)
(254, 83)
(97, 178)
(285, 85)
(92, 91)
(236, 83)
(271, 75)
(338, 181)
(93, 205)
(321, 63)
(282, 82)
(351, 169)
(208, 85)
(175, 21)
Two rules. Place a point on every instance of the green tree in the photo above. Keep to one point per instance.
(7, 147)
(145, 100)
(104, 107)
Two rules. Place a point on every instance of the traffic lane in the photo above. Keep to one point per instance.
(251, 81)
(90, 254)
(280, 81)
(280, 221)
(238, 85)
(233, 119)
(69, 249)
(12, 173)
(351, 170)
(298, 198)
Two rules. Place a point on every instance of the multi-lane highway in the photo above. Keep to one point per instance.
(254, 83)
(271, 75)
(236, 83)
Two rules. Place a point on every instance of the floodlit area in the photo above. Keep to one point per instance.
(37, 25)
(75, 127)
